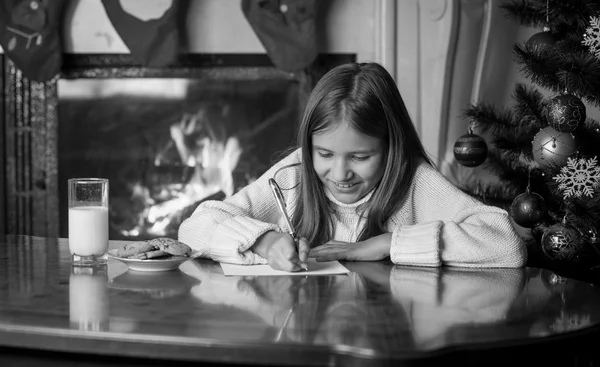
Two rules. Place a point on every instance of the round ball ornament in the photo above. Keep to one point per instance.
(563, 242)
(528, 209)
(551, 147)
(470, 150)
(542, 40)
(566, 112)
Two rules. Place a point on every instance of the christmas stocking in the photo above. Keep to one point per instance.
(30, 36)
(287, 30)
(148, 28)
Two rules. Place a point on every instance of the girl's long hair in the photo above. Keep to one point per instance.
(366, 96)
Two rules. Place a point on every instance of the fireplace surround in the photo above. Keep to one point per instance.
(52, 132)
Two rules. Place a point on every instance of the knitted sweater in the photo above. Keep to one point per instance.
(437, 225)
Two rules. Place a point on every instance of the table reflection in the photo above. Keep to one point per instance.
(88, 298)
(378, 309)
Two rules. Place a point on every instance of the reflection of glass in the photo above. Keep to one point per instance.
(88, 221)
(88, 298)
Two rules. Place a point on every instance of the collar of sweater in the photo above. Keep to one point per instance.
(338, 206)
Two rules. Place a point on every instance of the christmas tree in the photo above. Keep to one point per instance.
(544, 148)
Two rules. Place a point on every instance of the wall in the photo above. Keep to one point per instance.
(219, 26)
(414, 40)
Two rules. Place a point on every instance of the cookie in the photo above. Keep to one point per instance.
(171, 246)
(131, 249)
(150, 255)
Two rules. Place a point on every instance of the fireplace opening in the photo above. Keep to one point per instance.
(167, 142)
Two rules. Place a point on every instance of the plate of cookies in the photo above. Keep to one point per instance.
(158, 254)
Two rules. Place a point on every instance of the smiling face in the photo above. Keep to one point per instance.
(348, 162)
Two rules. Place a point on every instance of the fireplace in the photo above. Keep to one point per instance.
(167, 139)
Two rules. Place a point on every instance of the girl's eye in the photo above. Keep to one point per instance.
(360, 158)
(325, 155)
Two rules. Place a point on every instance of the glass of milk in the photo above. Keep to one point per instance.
(88, 221)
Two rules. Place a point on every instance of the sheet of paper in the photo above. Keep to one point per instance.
(314, 268)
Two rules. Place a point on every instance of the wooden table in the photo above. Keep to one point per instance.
(379, 314)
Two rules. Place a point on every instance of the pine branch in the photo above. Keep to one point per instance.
(515, 141)
(485, 116)
(563, 16)
(538, 64)
(580, 74)
(497, 195)
(530, 108)
(527, 13)
(588, 138)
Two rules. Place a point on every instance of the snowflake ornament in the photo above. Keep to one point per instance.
(591, 38)
(579, 177)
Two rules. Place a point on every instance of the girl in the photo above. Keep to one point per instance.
(359, 187)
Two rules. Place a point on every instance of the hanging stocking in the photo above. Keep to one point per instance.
(148, 28)
(287, 30)
(30, 36)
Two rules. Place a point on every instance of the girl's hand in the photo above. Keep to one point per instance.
(376, 248)
(280, 251)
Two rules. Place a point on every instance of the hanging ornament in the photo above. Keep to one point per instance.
(562, 242)
(470, 150)
(591, 38)
(591, 236)
(566, 112)
(543, 40)
(528, 208)
(578, 178)
(553, 147)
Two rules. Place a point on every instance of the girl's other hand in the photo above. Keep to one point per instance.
(373, 249)
(281, 252)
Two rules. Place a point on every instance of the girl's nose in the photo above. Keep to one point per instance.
(340, 170)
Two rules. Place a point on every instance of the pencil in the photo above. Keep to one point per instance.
(281, 205)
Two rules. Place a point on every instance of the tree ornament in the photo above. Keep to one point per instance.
(562, 242)
(528, 209)
(553, 147)
(578, 178)
(566, 112)
(543, 40)
(591, 38)
(592, 236)
(470, 150)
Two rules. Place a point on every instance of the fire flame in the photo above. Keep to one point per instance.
(212, 159)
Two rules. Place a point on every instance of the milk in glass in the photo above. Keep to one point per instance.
(88, 230)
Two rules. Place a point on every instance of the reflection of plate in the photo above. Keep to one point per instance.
(166, 264)
(156, 285)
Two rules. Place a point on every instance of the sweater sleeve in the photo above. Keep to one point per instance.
(225, 230)
(440, 225)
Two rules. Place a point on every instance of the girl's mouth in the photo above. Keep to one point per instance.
(344, 185)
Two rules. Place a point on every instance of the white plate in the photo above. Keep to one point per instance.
(166, 264)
